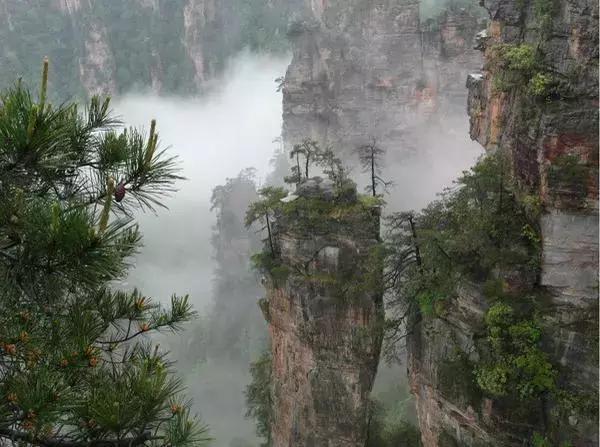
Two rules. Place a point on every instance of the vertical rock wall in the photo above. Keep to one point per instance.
(363, 70)
(325, 340)
(354, 73)
(170, 46)
(546, 118)
(449, 55)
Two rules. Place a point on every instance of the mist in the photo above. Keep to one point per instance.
(230, 128)
(215, 136)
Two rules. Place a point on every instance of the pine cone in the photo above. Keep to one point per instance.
(119, 192)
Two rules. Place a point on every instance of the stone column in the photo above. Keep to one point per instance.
(324, 318)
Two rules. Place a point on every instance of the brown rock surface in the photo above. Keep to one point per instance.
(325, 343)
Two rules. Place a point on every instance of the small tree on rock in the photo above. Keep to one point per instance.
(370, 156)
(333, 168)
(263, 211)
(309, 149)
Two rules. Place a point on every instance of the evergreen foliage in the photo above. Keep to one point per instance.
(370, 157)
(388, 430)
(310, 154)
(516, 364)
(476, 231)
(142, 42)
(264, 211)
(522, 66)
(317, 215)
(76, 365)
(258, 397)
(515, 65)
(309, 150)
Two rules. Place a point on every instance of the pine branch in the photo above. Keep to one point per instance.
(15, 435)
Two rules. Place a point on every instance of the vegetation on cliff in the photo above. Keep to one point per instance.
(477, 231)
(77, 366)
(329, 213)
(482, 236)
(316, 209)
(515, 364)
(388, 428)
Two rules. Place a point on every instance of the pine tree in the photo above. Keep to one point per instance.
(77, 367)
(309, 149)
(370, 156)
(258, 397)
(263, 211)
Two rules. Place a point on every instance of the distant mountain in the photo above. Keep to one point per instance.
(102, 46)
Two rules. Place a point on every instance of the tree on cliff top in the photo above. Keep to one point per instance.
(263, 211)
(310, 150)
(76, 368)
(370, 157)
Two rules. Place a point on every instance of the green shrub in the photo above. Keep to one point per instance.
(515, 65)
(270, 265)
(540, 441)
(516, 365)
(541, 85)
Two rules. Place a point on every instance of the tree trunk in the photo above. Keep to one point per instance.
(298, 165)
(413, 231)
(271, 245)
(373, 180)
(306, 166)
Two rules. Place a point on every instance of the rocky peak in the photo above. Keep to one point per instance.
(325, 329)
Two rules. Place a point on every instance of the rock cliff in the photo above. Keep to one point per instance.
(325, 331)
(536, 100)
(354, 73)
(363, 70)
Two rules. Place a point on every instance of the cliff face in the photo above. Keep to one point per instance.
(325, 337)
(346, 82)
(449, 55)
(363, 70)
(537, 100)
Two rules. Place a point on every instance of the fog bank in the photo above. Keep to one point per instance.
(215, 136)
